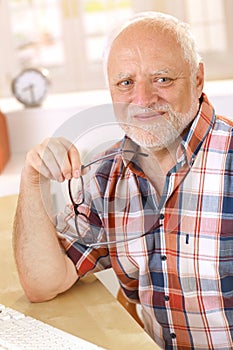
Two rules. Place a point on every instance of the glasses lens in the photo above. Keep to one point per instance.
(89, 230)
(76, 190)
(87, 211)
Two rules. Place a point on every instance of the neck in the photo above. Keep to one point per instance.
(165, 157)
(157, 165)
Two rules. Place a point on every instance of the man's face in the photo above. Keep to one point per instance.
(154, 97)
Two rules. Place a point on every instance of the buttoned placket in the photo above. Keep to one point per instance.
(167, 193)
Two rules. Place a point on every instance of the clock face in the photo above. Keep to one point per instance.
(30, 87)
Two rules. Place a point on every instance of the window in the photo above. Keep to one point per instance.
(211, 23)
(37, 38)
(98, 18)
(64, 36)
(208, 24)
(67, 36)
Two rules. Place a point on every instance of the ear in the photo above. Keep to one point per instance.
(200, 79)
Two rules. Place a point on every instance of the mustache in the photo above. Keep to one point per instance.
(135, 109)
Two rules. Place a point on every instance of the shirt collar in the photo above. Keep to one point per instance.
(201, 125)
(129, 145)
(131, 159)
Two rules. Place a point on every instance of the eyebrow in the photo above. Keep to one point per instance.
(123, 75)
(160, 72)
(120, 77)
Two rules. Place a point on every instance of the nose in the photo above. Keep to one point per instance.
(144, 95)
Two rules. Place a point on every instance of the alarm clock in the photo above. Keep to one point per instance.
(30, 86)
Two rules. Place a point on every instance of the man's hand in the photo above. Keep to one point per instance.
(55, 159)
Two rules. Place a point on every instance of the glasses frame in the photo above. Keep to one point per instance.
(77, 205)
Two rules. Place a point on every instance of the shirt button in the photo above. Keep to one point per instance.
(163, 257)
(173, 335)
(161, 216)
(192, 161)
(166, 297)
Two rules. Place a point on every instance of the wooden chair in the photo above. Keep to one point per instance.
(130, 307)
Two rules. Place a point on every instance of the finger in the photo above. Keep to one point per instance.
(49, 161)
(33, 159)
(56, 159)
(67, 157)
(75, 161)
(74, 158)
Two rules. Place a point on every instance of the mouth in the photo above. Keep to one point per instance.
(148, 116)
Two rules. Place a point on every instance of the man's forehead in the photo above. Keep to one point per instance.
(137, 37)
(156, 60)
(148, 29)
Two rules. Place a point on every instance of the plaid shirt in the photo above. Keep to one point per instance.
(182, 272)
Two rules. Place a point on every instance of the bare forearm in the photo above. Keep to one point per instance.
(44, 270)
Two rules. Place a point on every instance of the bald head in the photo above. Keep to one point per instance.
(164, 24)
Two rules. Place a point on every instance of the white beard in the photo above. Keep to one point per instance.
(162, 132)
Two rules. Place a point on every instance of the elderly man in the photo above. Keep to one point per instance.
(158, 208)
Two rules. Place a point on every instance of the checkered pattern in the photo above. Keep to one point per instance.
(181, 273)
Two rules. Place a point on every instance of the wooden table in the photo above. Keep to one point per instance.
(87, 310)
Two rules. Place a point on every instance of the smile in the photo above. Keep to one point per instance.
(148, 116)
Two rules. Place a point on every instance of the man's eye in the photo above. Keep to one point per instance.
(163, 80)
(126, 82)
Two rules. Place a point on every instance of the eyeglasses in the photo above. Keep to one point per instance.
(89, 228)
